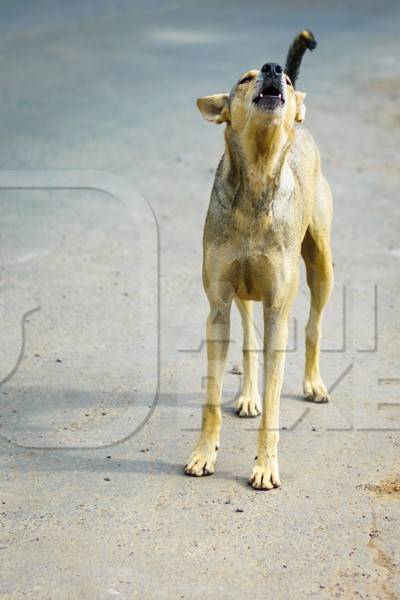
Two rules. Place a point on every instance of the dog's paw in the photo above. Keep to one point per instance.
(315, 391)
(248, 406)
(265, 477)
(201, 462)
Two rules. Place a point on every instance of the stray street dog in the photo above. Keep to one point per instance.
(269, 204)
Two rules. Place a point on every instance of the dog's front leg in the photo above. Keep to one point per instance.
(202, 460)
(265, 474)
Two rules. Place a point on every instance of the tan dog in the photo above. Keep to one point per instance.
(269, 204)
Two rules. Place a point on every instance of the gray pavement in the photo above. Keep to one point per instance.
(102, 323)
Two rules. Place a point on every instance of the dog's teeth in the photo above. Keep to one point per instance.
(261, 95)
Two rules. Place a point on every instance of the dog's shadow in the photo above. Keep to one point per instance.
(141, 461)
(107, 466)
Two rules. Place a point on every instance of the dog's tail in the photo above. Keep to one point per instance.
(301, 42)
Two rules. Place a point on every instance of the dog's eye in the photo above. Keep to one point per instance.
(246, 79)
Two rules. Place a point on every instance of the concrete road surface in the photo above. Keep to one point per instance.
(106, 172)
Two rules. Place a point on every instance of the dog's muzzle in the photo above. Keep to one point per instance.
(270, 87)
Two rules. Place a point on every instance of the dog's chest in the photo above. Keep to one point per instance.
(258, 267)
(266, 222)
(255, 242)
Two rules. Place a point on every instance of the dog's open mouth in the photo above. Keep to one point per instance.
(270, 97)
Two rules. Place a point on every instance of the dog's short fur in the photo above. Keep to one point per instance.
(270, 204)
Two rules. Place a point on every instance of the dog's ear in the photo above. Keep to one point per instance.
(214, 108)
(300, 107)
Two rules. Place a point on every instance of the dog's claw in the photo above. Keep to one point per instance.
(201, 464)
(315, 391)
(317, 399)
(265, 477)
(248, 406)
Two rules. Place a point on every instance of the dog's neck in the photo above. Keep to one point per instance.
(256, 156)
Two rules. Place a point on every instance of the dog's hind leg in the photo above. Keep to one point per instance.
(203, 457)
(317, 256)
(248, 404)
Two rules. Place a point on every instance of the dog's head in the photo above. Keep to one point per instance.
(258, 100)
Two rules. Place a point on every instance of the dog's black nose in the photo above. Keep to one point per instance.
(272, 69)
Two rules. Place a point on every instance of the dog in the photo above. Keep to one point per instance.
(270, 203)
